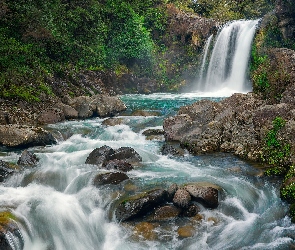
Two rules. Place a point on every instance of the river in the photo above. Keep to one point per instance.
(58, 208)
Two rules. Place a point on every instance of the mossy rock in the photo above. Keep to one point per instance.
(7, 225)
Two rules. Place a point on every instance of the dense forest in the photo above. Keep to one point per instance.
(45, 39)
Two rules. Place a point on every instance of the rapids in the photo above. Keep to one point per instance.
(58, 208)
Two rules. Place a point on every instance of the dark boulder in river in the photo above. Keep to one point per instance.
(127, 154)
(109, 178)
(99, 155)
(27, 159)
(120, 165)
(6, 169)
(24, 136)
(137, 206)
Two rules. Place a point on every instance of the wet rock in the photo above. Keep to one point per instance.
(127, 154)
(145, 113)
(213, 220)
(109, 178)
(171, 191)
(113, 121)
(107, 105)
(120, 165)
(182, 198)
(99, 155)
(6, 169)
(150, 132)
(191, 211)
(145, 230)
(50, 115)
(24, 136)
(205, 194)
(9, 231)
(138, 206)
(27, 159)
(170, 148)
(166, 212)
(186, 231)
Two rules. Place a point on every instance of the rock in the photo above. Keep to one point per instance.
(149, 132)
(145, 113)
(191, 211)
(113, 121)
(186, 231)
(166, 212)
(84, 107)
(175, 127)
(145, 230)
(50, 115)
(24, 136)
(120, 165)
(9, 231)
(205, 194)
(171, 191)
(127, 154)
(6, 169)
(99, 155)
(181, 198)
(27, 159)
(107, 105)
(109, 178)
(170, 148)
(68, 111)
(137, 206)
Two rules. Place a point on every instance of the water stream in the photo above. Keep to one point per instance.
(58, 208)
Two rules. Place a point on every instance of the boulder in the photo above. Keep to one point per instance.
(109, 178)
(84, 107)
(140, 205)
(6, 169)
(165, 213)
(68, 111)
(191, 211)
(107, 105)
(182, 198)
(204, 194)
(9, 232)
(176, 126)
(186, 231)
(50, 115)
(112, 121)
(171, 148)
(120, 165)
(99, 155)
(27, 159)
(145, 113)
(24, 136)
(127, 154)
(145, 230)
(171, 191)
(150, 132)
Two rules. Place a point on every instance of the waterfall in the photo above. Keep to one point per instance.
(229, 58)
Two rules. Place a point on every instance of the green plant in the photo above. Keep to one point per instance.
(275, 151)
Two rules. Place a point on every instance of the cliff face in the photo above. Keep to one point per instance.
(285, 11)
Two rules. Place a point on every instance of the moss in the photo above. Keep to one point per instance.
(288, 193)
(292, 212)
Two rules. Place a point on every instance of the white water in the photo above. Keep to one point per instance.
(58, 208)
(228, 63)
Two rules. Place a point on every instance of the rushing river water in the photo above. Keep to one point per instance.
(58, 208)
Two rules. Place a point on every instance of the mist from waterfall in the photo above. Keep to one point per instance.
(225, 64)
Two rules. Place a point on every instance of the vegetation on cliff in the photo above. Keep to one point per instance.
(44, 40)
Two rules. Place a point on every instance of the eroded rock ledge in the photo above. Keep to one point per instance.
(237, 124)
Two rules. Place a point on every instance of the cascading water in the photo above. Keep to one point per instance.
(57, 207)
(229, 59)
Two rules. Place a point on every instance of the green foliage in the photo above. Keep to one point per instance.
(225, 10)
(288, 193)
(275, 151)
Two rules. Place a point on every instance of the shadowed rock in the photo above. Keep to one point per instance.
(99, 155)
(191, 211)
(166, 212)
(120, 165)
(6, 169)
(138, 206)
(205, 194)
(127, 154)
(109, 178)
(24, 136)
(27, 159)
